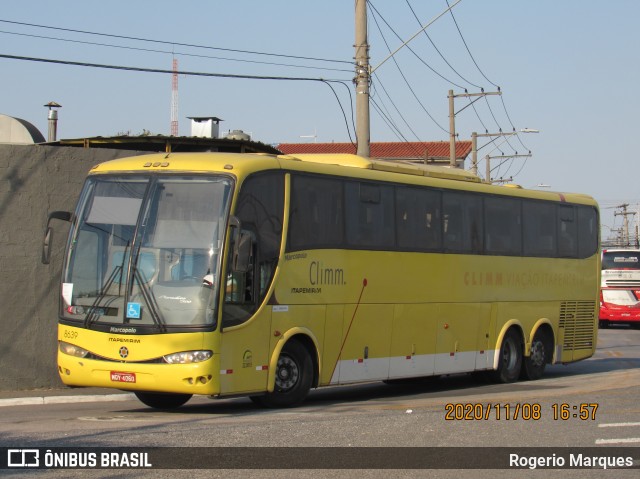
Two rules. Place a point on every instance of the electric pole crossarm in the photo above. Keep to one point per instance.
(452, 120)
(489, 158)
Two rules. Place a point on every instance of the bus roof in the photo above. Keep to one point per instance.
(243, 164)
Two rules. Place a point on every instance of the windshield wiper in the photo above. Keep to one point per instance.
(93, 312)
(150, 299)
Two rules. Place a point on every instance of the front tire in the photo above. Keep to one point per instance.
(534, 365)
(163, 400)
(294, 374)
(510, 358)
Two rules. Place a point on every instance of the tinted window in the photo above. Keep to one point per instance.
(539, 228)
(260, 209)
(567, 232)
(463, 223)
(588, 232)
(503, 226)
(317, 213)
(621, 260)
(418, 219)
(370, 215)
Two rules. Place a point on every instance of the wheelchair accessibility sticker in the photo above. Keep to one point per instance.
(133, 310)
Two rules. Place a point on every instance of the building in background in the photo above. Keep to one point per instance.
(429, 152)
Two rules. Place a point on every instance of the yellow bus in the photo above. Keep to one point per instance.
(266, 276)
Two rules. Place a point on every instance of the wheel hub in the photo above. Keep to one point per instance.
(287, 373)
(537, 353)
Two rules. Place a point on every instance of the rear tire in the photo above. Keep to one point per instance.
(533, 366)
(510, 358)
(294, 375)
(163, 400)
(603, 324)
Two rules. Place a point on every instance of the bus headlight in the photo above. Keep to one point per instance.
(187, 357)
(73, 350)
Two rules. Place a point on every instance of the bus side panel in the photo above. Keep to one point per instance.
(460, 331)
(413, 341)
(333, 335)
(310, 317)
(365, 354)
(244, 355)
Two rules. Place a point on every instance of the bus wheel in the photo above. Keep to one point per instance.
(163, 400)
(603, 324)
(510, 358)
(294, 375)
(533, 366)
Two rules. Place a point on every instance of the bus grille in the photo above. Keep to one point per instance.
(577, 318)
(623, 283)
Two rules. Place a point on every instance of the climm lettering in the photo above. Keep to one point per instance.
(321, 275)
(482, 279)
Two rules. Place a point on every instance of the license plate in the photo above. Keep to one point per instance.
(121, 377)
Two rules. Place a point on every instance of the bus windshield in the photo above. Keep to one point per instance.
(621, 260)
(145, 251)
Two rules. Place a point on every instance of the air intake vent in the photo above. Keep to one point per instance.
(577, 318)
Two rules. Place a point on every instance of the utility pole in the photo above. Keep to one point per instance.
(474, 145)
(452, 119)
(625, 213)
(364, 72)
(174, 99)
(362, 80)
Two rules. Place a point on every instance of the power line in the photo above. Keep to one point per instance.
(157, 70)
(374, 9)
(436, 48)
(151, 50)
(512, 126)
(401, 72)
(485, 77)
(396, 108)
(188, 73)
(467, 47)
(180, 44)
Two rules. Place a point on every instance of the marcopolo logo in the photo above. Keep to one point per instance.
(23, 458)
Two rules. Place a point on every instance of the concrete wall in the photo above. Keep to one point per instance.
(35, 180)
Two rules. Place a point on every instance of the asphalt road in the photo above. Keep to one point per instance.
(448, 412)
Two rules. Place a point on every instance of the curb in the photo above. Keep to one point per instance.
(42, 400)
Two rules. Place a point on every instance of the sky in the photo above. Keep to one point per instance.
(567, 68)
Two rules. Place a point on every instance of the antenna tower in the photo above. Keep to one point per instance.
(174, 99)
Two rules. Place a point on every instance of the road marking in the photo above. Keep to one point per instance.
(30, 401)
(618, 441)
(620, 424)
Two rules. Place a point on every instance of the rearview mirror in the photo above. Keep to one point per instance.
(242, 253)
(48, 234)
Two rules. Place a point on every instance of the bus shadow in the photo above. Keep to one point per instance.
(462, 385)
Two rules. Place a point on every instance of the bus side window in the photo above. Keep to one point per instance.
(503, 226)
(463, 223)
(567, 232)
(317, 213)
(587, 231)
(539, 229)
(418, 225)
(370, 215)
